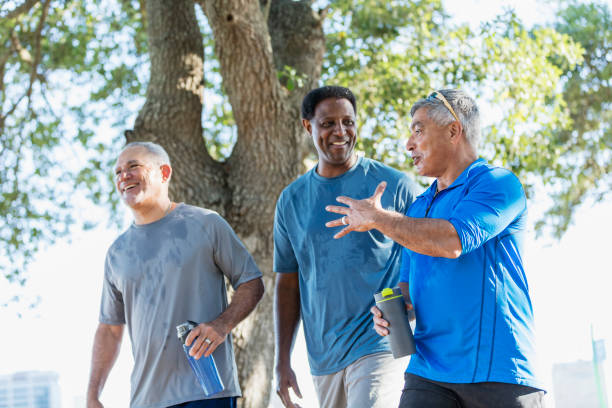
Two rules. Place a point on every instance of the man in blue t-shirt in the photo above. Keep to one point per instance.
(462, 269)
(330, 284)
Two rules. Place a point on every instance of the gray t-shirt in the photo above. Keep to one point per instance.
(159, 275)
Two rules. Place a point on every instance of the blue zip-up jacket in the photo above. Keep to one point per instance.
(474, 318)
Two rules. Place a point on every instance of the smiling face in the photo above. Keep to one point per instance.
(334, 134)
(140, 179)
(430, 145)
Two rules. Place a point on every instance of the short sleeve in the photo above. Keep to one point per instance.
(230, 255)
(112, 310)
(285, 260)
(494, 199)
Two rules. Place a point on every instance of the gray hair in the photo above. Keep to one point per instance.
(463, 105)
(154, 149)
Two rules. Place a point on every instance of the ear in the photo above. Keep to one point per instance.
(307, 125)
(455, 131)
(166, 172)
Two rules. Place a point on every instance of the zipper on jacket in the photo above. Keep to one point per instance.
(431, 203)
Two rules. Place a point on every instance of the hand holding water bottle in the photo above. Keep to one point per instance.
(206, 337)
(203, 367)
(391, 318)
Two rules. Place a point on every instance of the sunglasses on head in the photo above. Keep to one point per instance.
(438, 95)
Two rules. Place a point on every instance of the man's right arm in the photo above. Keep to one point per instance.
(107, 342)
(286, 321)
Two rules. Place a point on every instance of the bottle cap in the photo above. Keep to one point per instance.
(183, 329)
(387, 292)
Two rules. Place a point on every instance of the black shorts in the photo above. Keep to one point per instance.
(420, 392)
(227, 402)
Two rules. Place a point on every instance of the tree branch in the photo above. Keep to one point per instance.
(143, 12)
(3, 61)
(270, 136)
(37, 52)
(243, 48)
(23, 53)
(266, 9)
(10, 111)
(24, 8)
(14, 48)
(298, 41)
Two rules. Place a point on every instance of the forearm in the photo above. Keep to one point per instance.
(243, 302)
(107, 342)
(426, 236)
(286, 316)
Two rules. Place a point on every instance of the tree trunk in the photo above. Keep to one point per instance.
(270, 144)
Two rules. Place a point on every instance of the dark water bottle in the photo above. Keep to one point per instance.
(205, 368)
(391, 304)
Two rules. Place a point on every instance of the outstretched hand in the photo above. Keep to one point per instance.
(360, 215)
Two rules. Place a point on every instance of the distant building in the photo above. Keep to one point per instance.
(575, 385)
(30, 389)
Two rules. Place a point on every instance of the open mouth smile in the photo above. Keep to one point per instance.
(340, 144)
(129, 187)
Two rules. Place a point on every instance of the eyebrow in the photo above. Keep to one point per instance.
(417, 123)
(324, 118)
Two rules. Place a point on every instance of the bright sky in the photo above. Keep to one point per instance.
(566, 281)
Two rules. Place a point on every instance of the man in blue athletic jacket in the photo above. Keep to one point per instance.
(462, 267)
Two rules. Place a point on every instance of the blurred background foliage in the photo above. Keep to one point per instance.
(73, 76)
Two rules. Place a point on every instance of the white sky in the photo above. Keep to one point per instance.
(567, 282)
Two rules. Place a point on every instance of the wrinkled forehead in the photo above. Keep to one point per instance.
(134, 154)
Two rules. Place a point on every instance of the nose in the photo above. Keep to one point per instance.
(123, 174)
(410, 144)
(339, 129)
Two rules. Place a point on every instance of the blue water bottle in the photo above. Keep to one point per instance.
(205, 368)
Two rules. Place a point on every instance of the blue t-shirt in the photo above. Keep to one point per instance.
(338, 277)
(474, 319)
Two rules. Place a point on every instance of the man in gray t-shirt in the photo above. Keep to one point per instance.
(166, 268)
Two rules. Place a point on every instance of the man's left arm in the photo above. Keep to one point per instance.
(235, 262)
(243, 302)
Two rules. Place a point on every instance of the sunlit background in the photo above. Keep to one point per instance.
(568, 282)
